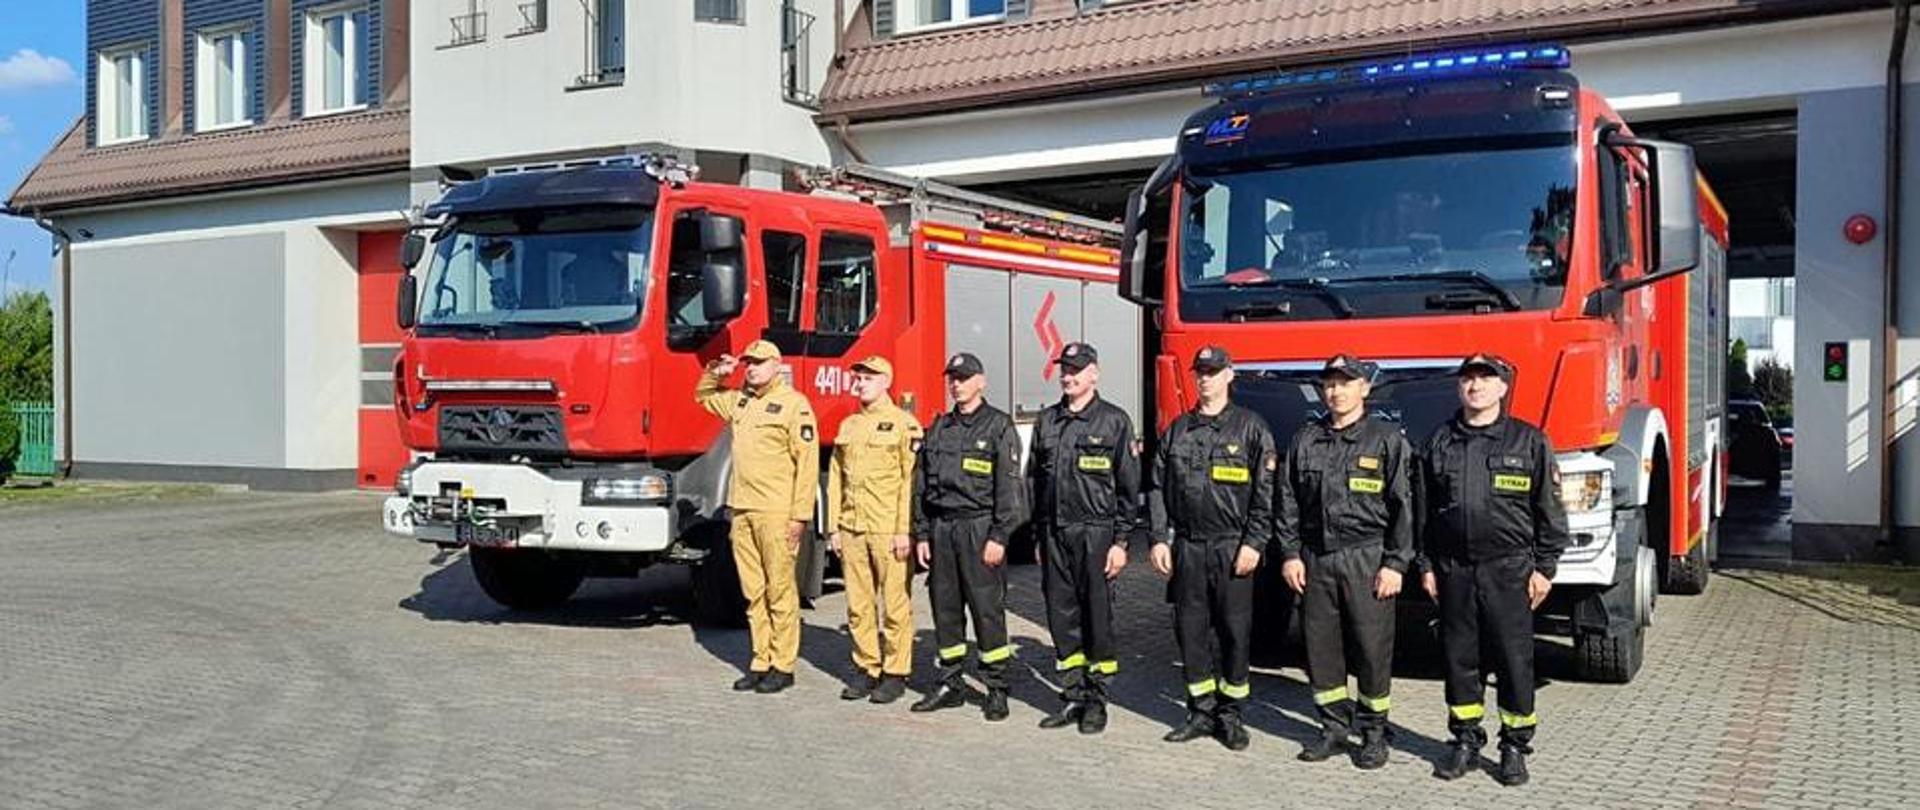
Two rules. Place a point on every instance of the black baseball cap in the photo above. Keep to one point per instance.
(1488, 363)
(1077, 356)
(964, 365)
(1346, 365)
(1211, 359)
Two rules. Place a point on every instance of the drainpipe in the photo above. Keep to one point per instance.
(66, 333)
(1890, 285)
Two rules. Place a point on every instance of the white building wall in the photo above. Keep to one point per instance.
(688, 84)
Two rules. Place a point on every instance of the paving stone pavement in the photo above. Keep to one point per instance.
(279, 651)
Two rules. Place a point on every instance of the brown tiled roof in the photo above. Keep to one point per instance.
(1061, 51)
(72, 175)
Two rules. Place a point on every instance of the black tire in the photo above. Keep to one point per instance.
(524, 579)
(1604, 658)
(717, 601)
(1688, 575)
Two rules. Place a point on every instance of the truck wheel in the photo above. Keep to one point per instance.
(1615, 656)
(523, 579)
(1687, 575)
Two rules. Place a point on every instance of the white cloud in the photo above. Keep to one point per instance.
(28, 69)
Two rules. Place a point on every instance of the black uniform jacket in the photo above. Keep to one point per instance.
(969, 466)
(1085, 469)
(1490, 492)
(1213, 479)
(1347, 488)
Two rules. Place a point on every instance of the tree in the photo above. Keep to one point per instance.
(26, 361)
(1773, 386)
(1739, 379)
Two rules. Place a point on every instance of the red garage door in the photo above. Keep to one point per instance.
(381, 453)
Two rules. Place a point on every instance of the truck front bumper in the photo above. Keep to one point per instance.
(463, 503)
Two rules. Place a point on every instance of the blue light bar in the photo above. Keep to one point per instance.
(1445, 63)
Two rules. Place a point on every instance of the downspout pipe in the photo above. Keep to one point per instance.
(1890, 284)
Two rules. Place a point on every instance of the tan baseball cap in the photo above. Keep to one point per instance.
(875, 365)
(761, 350)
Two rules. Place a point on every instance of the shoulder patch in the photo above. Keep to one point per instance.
(806, 433)
(916, 444)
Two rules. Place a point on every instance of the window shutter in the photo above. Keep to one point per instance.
(883, 18)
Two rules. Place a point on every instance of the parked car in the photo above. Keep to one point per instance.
(1754, 449)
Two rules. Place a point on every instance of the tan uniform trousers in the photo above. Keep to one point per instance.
(766, 579)
(879, 607)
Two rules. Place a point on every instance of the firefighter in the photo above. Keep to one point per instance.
(776, 468)
(869, 508)
(966, 504)
(1491, 532)
(1212, 501)
(1085, 476)
(1345, 530)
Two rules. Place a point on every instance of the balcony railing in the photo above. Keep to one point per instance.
(796, 63)
(469, 28)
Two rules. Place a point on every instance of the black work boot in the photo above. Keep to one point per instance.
(995, 708)
(1198, 724)
(748, 681)
(1332, 740)
(1513, 765)
(1067, 716)
(890, 689)
(1373, 749)
(774, 681)
(862, 686)
(1231, 732)
(1463, 753)
(1093, 719)
(944, 696)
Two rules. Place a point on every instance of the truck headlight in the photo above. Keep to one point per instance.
(1585, 491)
(626, 489)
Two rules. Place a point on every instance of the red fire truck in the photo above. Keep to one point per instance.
(564, 314)
(1417, 210)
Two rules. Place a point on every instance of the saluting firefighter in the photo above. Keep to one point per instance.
(776, 464)
(1212, 502)
(1345, 529)
(966, 504)
(1491, 532)
(1086, 480)
(869, 514)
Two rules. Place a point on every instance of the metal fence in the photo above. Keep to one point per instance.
(35, 421)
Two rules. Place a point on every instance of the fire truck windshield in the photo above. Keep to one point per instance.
(1379, 236)
(533, 272)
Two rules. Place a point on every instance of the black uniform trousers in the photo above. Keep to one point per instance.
(1080, 609)
(961, 583)
(1485, 617)
(1212, 621)
(1339, 605)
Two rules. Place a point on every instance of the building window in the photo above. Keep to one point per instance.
(725, 11)
(469, 26)
(916, 14)
(606, 43)
(336, 63)
(220, 81)
(120, 97)
(533, 17)
(796, 55)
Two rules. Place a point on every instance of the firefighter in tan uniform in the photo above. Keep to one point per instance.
(869, 509)
(776, 461)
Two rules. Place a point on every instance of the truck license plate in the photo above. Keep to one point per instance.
(485, 535)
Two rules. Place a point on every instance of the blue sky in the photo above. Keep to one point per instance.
(42, 72)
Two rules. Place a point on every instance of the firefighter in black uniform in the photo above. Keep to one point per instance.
(1212, 507)
(967, 502)
(1085, 473)
(1345, 530)
(1491, 532)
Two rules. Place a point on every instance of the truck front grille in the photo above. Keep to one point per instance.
(533, 430)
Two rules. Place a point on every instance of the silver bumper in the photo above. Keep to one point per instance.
(511, 505)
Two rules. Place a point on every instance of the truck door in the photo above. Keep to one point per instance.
(1623, 242)
(676, 424)
(857, 312)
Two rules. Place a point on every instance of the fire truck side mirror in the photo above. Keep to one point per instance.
(1677, 205)
(412, 247)
(719, 234)
(406, 299)
(1140, 270)
(723, 289)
